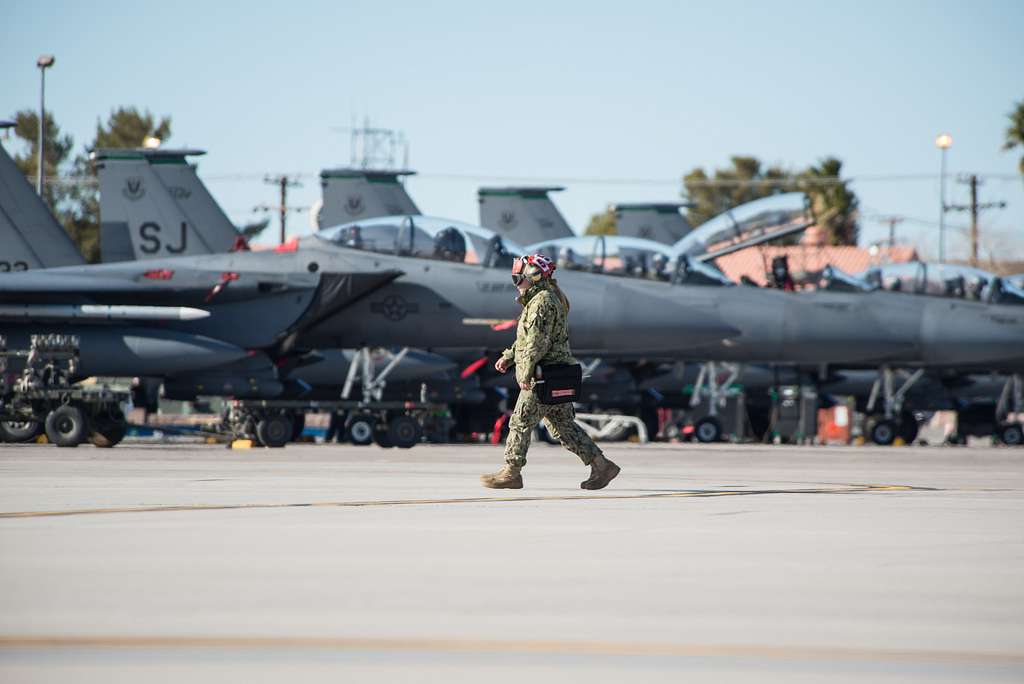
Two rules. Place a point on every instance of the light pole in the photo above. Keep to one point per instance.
(943, 141)
(43, 63)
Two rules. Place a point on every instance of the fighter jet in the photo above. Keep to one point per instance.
(821, 330)
(321, 292)
(312, 378)
(146, 192)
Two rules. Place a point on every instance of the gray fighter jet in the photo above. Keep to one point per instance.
(320, 292)
(338, 184)
(822, 330)
(146, 191)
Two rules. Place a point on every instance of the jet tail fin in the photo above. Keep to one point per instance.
(524, 214)
(355, 194)
(152, 204)
(30, 237)
(659, 221)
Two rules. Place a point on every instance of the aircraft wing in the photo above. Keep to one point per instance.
(336, 292)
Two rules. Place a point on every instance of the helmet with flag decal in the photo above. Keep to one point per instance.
(532, 268)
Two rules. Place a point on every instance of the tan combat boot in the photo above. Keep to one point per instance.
(508, 477)
(602, 471)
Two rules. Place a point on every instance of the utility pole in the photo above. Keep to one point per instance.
(283, 182)
(893, 221)
(974, 207)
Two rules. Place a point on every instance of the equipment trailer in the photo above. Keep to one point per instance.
(43, 394)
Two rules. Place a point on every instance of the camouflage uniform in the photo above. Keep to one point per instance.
(542, 337)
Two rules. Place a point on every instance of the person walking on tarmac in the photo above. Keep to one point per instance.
(542, 338)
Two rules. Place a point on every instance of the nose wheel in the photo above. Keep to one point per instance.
(883, 431)
(708, 429)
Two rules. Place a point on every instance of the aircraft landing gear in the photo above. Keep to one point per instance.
(894, 421)
(708, 429)
(883, 431)
(360, 429)
(1010, 401)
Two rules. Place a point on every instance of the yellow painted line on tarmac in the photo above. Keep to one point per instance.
(534, 646)
(699, 493)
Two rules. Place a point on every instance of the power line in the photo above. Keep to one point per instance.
(974, 207)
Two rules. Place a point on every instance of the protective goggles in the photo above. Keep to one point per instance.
(517, 271)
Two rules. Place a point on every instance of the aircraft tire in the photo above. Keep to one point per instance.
(1011, 434)
(360, 429)
(274, 431)
(884, 432)
(405, 432)
(707, 430)
(66, 426)
(19, 430)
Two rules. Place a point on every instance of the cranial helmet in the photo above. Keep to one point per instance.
(449, 245)
(532, 267)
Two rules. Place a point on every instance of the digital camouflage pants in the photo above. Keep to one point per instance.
(561, 423)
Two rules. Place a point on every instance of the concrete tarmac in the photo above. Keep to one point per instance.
(317, 563)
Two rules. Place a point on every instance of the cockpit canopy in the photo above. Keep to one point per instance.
(426, 237)
(753, 219)
(610, 254)
(945, 280)
(629, 257)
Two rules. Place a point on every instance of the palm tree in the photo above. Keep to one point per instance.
(1015, 132)
(834, 203)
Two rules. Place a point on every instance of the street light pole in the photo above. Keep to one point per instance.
(944, 141)
(43, 63)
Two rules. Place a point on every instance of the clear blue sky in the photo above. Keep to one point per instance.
(640, 90)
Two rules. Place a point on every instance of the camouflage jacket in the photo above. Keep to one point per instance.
(542, 335)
